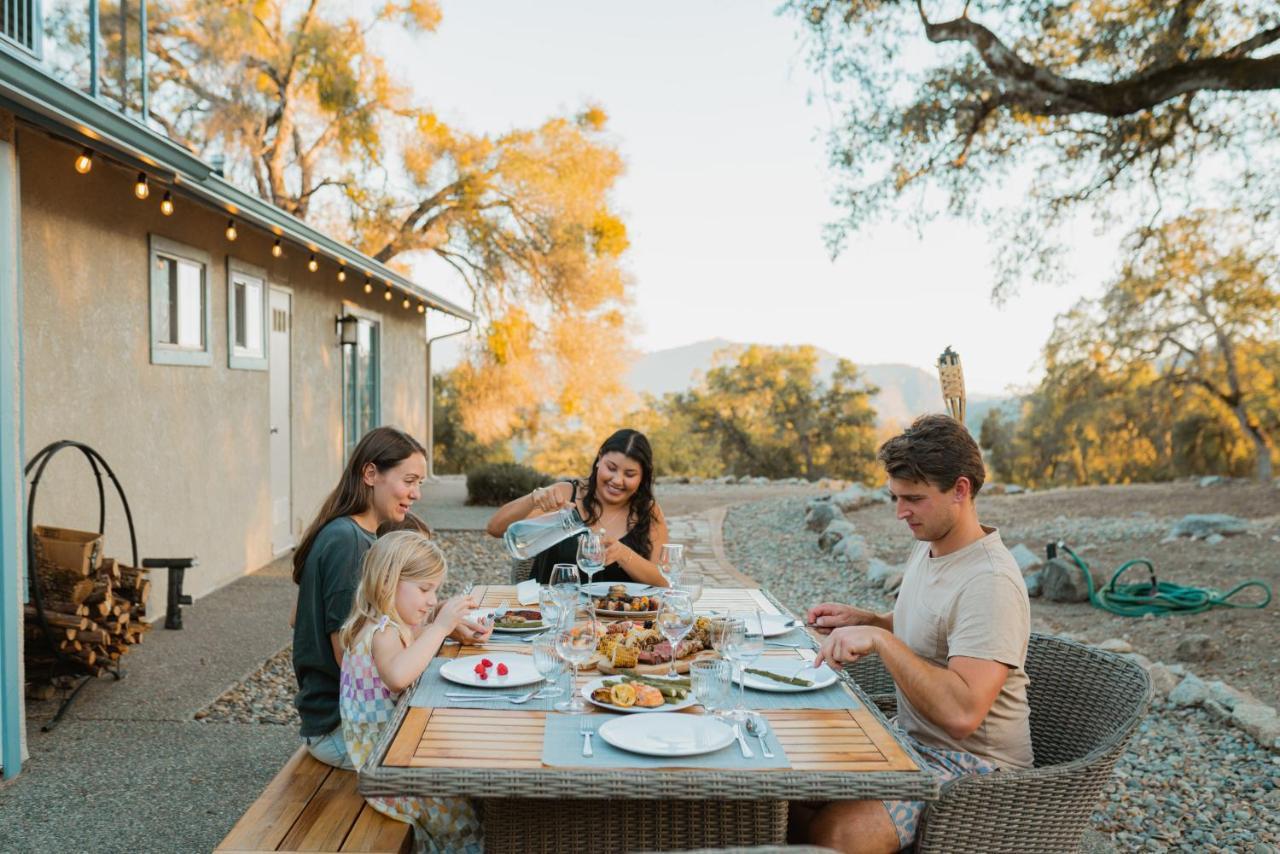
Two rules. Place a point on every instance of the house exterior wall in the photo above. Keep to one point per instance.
(188, 444)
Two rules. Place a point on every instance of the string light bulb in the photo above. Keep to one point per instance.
(313, 264)
(368, 285)
(422, 308)
(141, 188)
(84, 162)
(387, 296)
(166, 204)
(276, 249)
(405, 304)
(342, 272)
(232, 234)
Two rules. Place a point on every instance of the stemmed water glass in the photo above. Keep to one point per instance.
(590, 554)
(548, 662)
(675, 620)
(576, 641)
(740, 638)
(671, 563)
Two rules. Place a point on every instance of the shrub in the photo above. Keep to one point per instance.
(498, 483)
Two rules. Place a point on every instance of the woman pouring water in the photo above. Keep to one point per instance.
(617, 497)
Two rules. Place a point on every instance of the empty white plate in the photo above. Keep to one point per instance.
(821, 678)
(665, 707)
(520, 670)
(668, 734)
(777, 624)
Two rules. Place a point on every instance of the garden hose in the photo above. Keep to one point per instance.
(1158, 597)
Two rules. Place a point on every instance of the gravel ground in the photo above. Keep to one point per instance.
(266, 696)
(1186, 783)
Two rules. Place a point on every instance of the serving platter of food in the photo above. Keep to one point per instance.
(617, 602)
(630, 693)
(636, 646)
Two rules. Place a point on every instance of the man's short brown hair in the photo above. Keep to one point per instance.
(935, 449)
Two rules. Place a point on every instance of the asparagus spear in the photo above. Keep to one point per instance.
(778, 677)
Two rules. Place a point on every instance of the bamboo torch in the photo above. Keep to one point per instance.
(951, 376)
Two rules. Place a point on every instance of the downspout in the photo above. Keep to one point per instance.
(431, 400)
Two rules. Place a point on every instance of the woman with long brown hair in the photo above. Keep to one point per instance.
(381, 481)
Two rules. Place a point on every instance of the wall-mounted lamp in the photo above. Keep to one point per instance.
(348, 327)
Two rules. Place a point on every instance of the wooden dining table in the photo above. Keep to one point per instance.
(495, 757)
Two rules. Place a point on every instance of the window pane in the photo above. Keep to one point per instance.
(253, 316)
(239, 289)
(190, 308)
(167, 322)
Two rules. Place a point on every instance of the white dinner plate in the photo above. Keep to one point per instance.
(665, 707)
(821, 678)
(520, 671)
(486, 614)
(778, 624)
(668, 734)
(634, 588)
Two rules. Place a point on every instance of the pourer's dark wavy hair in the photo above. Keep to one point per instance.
(632, 444)
(386, 448)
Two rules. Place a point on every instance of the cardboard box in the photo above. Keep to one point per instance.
(75, 551)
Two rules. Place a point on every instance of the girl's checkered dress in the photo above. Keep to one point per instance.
(440, 824)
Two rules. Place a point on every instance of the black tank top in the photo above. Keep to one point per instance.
(566, 551)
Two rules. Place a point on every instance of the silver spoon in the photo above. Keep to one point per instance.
(757, 726)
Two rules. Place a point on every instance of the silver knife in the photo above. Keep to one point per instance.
(742, 742)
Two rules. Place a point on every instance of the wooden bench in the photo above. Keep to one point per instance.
(310, 806)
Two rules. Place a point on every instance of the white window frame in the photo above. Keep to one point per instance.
(242, 358)
(163, 353)
(372, 317)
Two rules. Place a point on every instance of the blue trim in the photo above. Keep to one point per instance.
(12, 545)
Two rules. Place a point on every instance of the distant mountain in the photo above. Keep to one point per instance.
(905, 390)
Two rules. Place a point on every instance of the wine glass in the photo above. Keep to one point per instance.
(675, 620)
(690, 582)
(710, 680)
(576, 641)
(548, 662)
(564, 580)
(740, 639)
(671, 562)
(590, 554)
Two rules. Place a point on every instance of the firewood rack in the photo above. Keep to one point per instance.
(64, 664)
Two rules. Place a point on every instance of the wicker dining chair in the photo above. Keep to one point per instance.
(521, 570)
(1085, 705)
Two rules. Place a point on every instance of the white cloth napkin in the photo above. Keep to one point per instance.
(527, 592)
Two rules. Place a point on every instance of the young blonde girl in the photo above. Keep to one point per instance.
(388, 641)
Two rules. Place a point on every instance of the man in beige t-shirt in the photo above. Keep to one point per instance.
(955, 643)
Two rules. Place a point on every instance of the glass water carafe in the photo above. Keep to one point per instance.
(529, 537)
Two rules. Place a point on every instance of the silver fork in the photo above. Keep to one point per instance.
(587, 729)
(514, 699)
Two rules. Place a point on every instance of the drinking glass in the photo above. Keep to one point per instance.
(548, 662)
(690, 582)
(590, 554)
(675, 620)
(552, 606)
(740, 639)
(564, 578)
(671, 562)
(710, 681)
(576, 641)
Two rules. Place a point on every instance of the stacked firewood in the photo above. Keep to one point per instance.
(93, 607)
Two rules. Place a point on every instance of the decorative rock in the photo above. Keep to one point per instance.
(1200, 525)
(1014, 489)
(1216, 709)
(835, 531)
(821, 515)
(1162, 679)
(1026, 558)
(1214, 539)
(1195, 648)
(1115, 645)
(1211, 480)
(1260, 721)
(856, 496)
(852, 548)
(1139, 659)
(1191, 691)
(1033, 582)
(1226, 696)
(878, 571)
(1064, 582)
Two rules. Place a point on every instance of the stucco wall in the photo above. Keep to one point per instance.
(189, 444)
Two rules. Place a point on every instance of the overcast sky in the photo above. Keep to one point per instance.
(727, 188)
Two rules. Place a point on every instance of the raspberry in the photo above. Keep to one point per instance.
(479, 668)
(484, 674)
(502, 669)
(486, 662)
